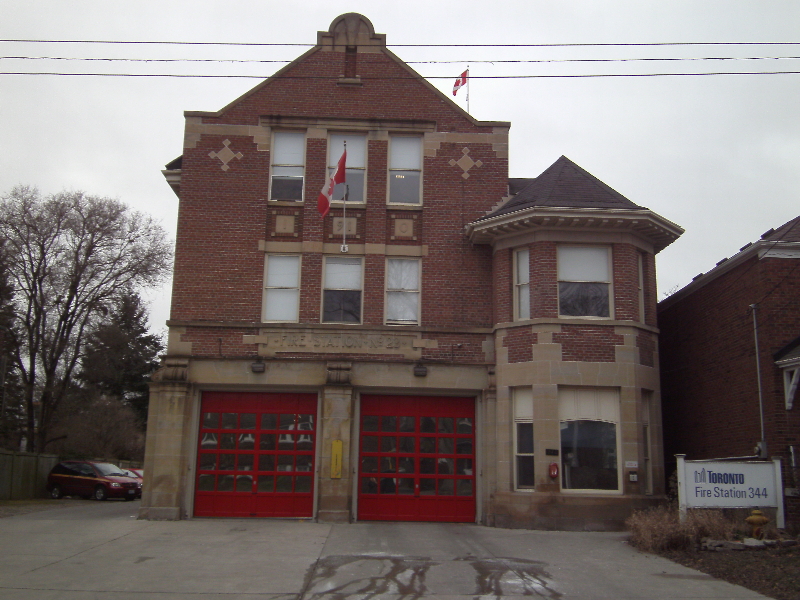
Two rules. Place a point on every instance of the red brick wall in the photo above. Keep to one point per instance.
(588, 343)
(503, 286)
(544, 280)
(518, 340)
(708, 365)
(223, 214)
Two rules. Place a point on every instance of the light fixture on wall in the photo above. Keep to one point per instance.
(420, 370)
(258, 366)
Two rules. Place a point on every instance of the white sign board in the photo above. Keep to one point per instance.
(730, 484)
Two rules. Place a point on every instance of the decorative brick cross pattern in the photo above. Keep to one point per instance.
(466, 163)
(225, 155)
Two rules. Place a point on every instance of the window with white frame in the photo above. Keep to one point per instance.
(288, 158)
(584, 281)
(522, 287)
(523, 439)
(589, 423)
(791, 381)
(356, 165)
(402, 290)
(405, 170)
(281, 288)
(341, 296)
(647, 441)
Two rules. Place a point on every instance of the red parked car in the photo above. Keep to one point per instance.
(91, 479)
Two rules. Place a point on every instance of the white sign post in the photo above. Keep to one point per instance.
(730, 484)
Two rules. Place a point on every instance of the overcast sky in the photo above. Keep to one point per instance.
(717, 154)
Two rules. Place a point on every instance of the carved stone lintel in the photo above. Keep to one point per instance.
(339, 373)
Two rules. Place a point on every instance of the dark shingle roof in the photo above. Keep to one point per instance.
(790, 350)
(565, 185)
(788, 232)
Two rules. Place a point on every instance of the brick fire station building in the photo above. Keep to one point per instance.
(476, 348)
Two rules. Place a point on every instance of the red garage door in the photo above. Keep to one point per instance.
(255, 455)
(417, 459)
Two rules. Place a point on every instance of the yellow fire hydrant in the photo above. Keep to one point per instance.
(757, 520)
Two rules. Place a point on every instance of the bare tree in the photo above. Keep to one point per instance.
(68, 256)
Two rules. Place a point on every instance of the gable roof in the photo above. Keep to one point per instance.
(565, 185)
(788, 232)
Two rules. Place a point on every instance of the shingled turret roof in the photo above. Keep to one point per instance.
(565, 185)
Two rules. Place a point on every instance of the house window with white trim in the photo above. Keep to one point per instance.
(288, 158)
(402, 291)
(647, 441)
(523, 439)
(281, 288)
(405, 170)
(589, 423)
(791, 381)
(522, 287)
(356, 164)
(342, 290)
(584, 281)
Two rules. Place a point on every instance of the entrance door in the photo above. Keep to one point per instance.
(255, 455)
(417, 459)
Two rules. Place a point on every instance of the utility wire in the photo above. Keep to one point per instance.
(572, 45)
(411, 62)
(320, 78)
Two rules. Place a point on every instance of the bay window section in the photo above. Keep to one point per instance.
(281, 288)
(405, 170)
(288, 158)
(589, 423)
(356, 165)
(341, 296)
(402, 291)
(522, 288)
(584, 281)
(523, 439)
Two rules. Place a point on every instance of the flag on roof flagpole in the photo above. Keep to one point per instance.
(461, 81)
(339, 176)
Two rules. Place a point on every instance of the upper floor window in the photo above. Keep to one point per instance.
(281, 288)
(402, 290)
(356, 165)
(288, 158)
(584, 281)
(522, 287)
(342, 288)
(405, 170)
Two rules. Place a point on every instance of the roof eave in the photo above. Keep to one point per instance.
(645, 223)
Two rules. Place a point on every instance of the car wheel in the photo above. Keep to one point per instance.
(55, 492)
(100, 493)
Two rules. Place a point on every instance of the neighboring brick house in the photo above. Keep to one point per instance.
(476, 330)
(710, 383)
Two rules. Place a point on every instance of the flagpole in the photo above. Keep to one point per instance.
(344, 247)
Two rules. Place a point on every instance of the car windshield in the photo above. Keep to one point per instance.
(109, 469)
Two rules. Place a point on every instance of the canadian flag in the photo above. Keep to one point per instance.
(460, 82)
(339, 176)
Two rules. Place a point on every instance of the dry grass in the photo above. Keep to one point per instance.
(659, 529)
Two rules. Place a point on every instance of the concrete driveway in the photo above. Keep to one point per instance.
(82, 550)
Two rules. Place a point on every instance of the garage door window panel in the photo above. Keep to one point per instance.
(251, 453)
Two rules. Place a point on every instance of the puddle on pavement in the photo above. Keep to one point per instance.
(374, 575)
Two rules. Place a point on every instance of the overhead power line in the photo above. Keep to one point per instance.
(410, 62)
(318, 78)
(567, 45)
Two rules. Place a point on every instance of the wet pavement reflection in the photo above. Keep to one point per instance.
(411, 577)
